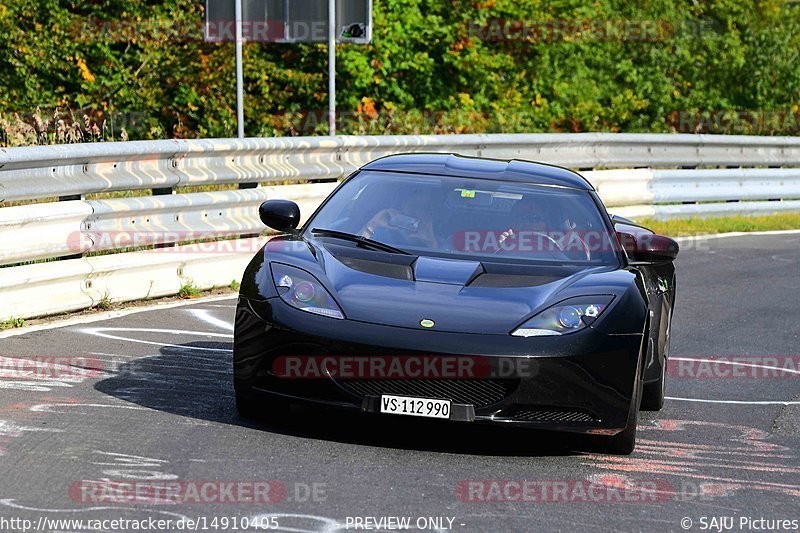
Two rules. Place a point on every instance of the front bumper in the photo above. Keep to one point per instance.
(583, 382)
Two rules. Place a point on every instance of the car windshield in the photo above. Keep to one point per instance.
(465, 218)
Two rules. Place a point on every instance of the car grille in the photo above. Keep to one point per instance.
(477, 392)
(553, 415)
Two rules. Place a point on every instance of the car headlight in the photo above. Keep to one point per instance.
(565, 317)
(303, 291)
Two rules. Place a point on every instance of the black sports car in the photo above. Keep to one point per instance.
(459, 288)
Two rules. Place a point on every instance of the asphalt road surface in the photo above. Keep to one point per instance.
(143, 400)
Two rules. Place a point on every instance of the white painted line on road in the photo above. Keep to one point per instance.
(46, 407)
(12, 429)
(737, 363)
(206, 317)
(100, 332)
(97, 317)
(32, 386)
(126, 356)
(735, 402)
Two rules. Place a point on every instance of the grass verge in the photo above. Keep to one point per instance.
(11, 323)
(699, 226)
(189, 290)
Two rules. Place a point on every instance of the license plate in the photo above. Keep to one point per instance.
(403, 405)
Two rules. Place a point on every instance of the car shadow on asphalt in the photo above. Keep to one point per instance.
(195, 380)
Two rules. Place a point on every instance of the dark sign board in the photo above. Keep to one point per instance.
(289, 21)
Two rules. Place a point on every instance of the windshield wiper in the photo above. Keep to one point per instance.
(358, 239)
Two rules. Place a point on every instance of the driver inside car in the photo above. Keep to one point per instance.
(410, 224)
(541, 228)
(528, 217)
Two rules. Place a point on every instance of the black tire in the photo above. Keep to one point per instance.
(261, 408)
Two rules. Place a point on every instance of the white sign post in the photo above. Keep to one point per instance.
(239, 71)
(331, 67)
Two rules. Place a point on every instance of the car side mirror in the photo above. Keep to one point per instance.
(282, 215)
(649, 248)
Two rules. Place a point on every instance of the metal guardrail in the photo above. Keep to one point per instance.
(73, 170)
(58, 229)
(635, 175)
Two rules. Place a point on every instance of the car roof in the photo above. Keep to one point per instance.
(480, 168)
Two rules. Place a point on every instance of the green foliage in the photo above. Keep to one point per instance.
(681, 227)
(11, 323)
(188, 290)
(140, 70)
(105, 302)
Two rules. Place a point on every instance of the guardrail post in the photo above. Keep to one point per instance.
(253, 185)
(161, 192)
(69, 198)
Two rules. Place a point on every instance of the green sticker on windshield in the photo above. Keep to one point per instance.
(467, 194)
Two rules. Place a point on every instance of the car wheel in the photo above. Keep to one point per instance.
(258, 408)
